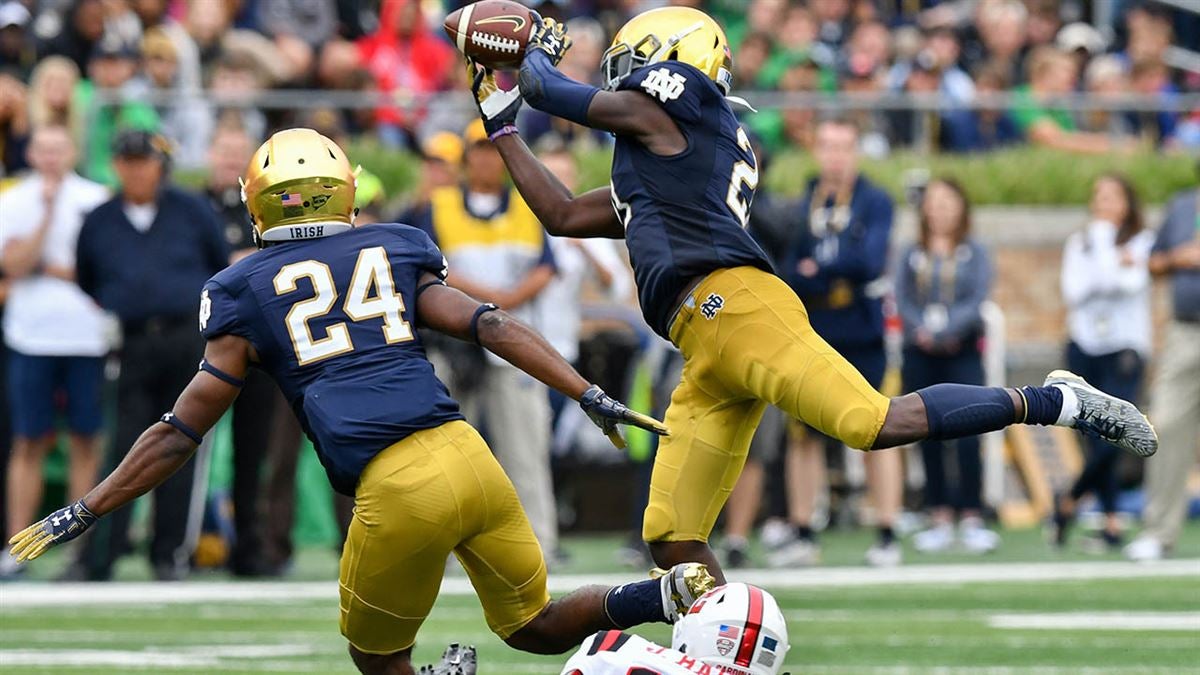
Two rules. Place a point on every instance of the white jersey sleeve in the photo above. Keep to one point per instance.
(616, 653)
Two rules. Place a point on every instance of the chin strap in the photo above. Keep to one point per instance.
(738, 100)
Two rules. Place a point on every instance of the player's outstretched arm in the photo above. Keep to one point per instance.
(159, 452)
(560, 212)
(453, 312)
(623, 112)
(590, 214)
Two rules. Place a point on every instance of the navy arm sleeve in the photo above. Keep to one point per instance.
(547, 89)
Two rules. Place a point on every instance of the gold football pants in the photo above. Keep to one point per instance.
(746, 342)
(437, 491)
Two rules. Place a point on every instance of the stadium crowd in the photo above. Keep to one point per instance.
(103, 253)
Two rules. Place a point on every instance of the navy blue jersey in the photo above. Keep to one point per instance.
(685, 215)
(332, 320)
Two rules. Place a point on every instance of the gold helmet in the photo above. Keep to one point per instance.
(669, 34)
(299, 185)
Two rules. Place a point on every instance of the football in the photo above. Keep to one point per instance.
(492, 32)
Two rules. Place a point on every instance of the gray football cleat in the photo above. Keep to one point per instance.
(456, 660)
(681, 586)
(1107, 417)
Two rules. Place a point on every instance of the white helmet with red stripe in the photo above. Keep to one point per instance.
(736, 626)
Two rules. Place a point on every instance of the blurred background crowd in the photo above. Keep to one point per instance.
(124, 125)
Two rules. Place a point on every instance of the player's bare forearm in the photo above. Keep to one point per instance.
(450, 311)
(523, 347)
(561, 213)
(162, 449)
(159, 452)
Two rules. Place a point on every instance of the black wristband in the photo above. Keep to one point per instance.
(480, 311)
(220, 374)
(170, 418)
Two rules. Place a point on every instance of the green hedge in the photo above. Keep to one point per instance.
(1021, 176)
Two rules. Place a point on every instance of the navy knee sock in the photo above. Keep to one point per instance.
(957, 410)
(634, 604)
(1043, 405)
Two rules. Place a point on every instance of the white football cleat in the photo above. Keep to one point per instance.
(885, 555)
(1105, 417)
(936, 539)
(680, 586)
(1145, 549)
(976, 538)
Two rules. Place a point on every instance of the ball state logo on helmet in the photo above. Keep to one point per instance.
(494, 33)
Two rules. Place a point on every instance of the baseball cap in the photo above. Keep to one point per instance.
(140, 143)
(13, 13)
(475, 133)
(443, 146)
(1080, 35)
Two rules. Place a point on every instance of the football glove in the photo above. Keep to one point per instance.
(607, 412)
(497, 108)
(551, 37)
(57, 528)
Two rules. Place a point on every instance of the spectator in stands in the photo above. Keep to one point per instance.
(112, 66)
(144, 256)
(79, 31)
(1152, 78)
(403, 54)
(834, 264)
(942, 281)
(441, 158)
(794, 40)
(54, 332)
(1044, 22)
(207, 23)
(989, 127)
(939, 56)
(1149, 33)
(833, 22)
(14, 125)
(1002, 26)
(762, 17)
(751, 58)
(185, 118)
(153, 16)
(1106, 77)
(51, 92)
(1051, 74)
(1082, 41)
(17, 51)
(498, 252)
(1106, 287)
(236, 77)
(1175, 404)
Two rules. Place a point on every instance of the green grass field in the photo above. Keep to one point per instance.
(1064, 613)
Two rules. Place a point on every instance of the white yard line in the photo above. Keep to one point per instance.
(34, 594)
(1156, 621)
